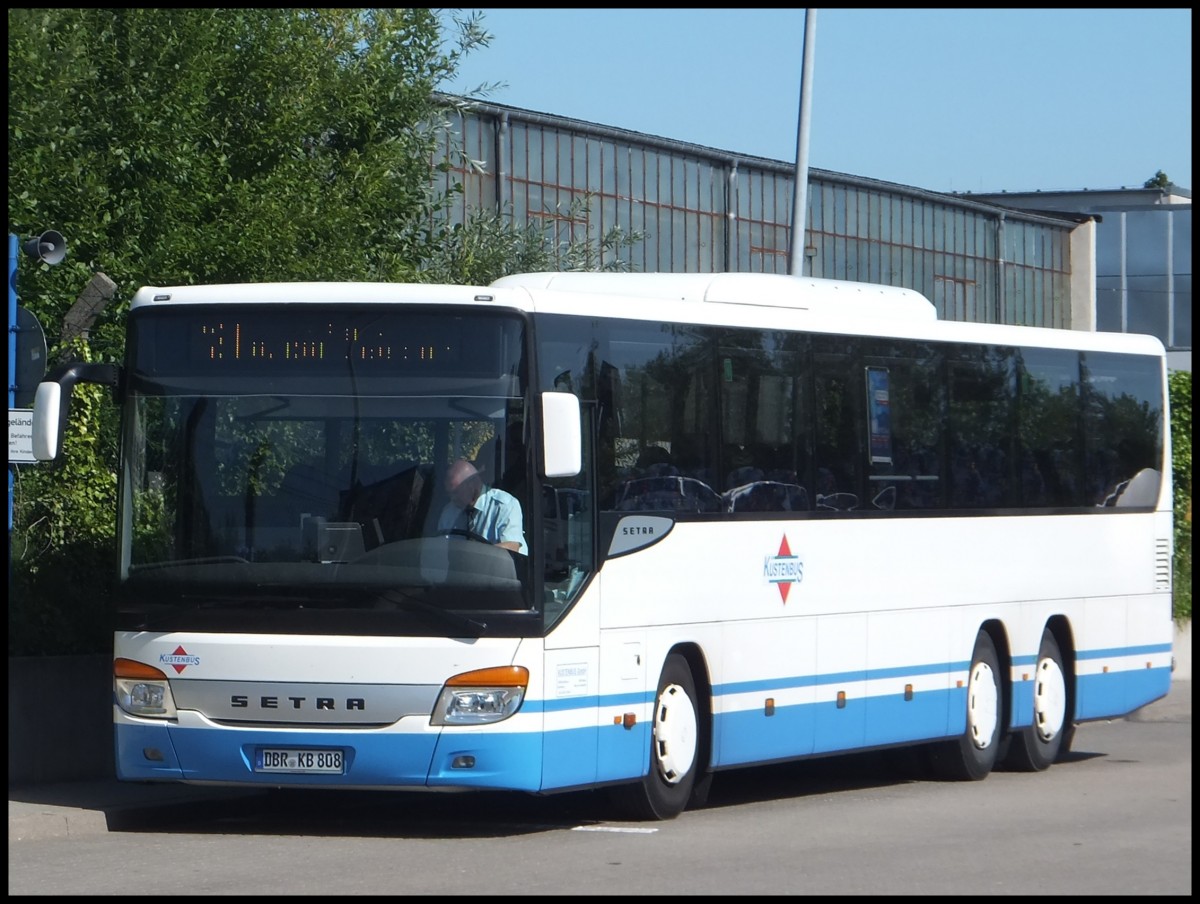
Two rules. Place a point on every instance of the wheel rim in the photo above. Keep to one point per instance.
(983, 710)
(1049, 699)
(674, 734)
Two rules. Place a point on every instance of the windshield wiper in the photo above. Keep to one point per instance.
(152, 615)
(411, 603)
(177, 563)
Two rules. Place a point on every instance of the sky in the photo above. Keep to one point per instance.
(953, 100)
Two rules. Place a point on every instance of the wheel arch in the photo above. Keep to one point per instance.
(994, 628)
(1060, 626)
(698, 665)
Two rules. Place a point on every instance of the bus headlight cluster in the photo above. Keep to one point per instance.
(480, 697)
(145, 698)
(142, 690)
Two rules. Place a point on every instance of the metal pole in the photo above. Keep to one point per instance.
(13, 250)
(800, 210)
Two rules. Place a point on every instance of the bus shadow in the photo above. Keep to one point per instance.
(373, 814)
(841, 772)
(822, 775)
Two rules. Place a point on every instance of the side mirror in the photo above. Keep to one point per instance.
(47, 425)
(562, 437)
(52, 401)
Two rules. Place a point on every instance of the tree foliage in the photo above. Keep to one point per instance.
(224, 145)
(1158, 180)
(1180, 382)
(490, 245)
(177, 146)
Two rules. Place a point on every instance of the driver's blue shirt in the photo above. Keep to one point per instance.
(496, 517)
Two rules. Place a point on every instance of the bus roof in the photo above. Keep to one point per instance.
(793, 302)
(762, 289)
(756, 300)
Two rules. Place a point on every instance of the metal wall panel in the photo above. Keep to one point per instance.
(705, 210)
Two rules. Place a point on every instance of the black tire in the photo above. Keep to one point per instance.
(972, 756)
(1037, 747)
(701, 788)
(666, 789)
(1068, 738)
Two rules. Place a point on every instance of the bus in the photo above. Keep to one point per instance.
(766, 518)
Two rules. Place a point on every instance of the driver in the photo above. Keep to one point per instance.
(489, 513)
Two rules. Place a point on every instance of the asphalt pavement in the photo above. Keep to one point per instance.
(79, 809)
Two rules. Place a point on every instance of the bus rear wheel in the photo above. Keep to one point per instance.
(1035, 748)
(665, 790)
(972, 755)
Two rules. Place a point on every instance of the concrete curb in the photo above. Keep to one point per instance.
(53, 822)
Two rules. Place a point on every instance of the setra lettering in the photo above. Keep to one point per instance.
(241, 701)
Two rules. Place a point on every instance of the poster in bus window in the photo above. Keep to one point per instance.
(879, 415)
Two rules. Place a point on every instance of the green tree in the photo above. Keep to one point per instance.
(1158, 180)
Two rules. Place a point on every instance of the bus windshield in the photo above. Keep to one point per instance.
(285, 470)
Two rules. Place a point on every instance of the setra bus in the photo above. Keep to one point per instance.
(766, 518)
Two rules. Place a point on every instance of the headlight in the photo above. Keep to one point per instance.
(480, 697)
(142, 690)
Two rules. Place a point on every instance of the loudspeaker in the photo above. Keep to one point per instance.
(49, 247)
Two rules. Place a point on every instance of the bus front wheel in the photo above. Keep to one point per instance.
(665, 790)
(972, 755)
(1035, 748)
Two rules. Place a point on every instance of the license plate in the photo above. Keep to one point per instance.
(275, 759)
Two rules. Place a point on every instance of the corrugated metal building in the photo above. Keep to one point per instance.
(1118, 260)
(702, 209)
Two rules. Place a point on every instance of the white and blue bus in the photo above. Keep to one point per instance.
(767, 518)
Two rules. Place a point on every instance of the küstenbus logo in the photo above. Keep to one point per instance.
(783, 569)
(179, 660)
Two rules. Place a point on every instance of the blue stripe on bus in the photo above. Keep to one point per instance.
(1022, 705)
(567, 704)
(797, 681)
(584, 701)
(749, 736)
(1124, 651)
